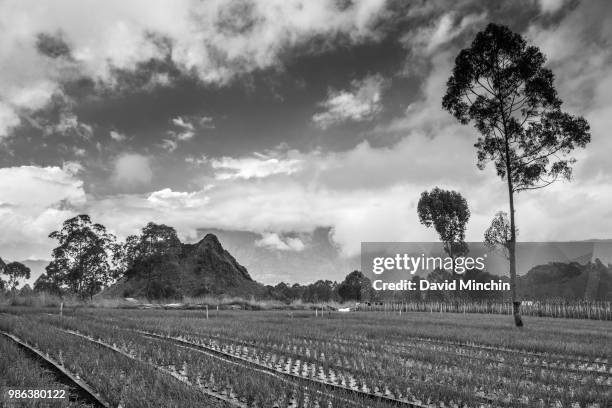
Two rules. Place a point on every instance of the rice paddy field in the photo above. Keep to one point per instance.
(181, 358)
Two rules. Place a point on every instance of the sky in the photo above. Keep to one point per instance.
(278, 118)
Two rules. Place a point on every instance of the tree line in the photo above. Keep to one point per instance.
(89, 258)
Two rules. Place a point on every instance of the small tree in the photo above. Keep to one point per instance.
(158, 240)
(448, 213)
(82, 261)
(15, 272)
(47, 284)
(499, 234)
(26, 290)
(355, 287)
(500, 84)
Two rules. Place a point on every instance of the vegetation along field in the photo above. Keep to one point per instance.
(165, 358)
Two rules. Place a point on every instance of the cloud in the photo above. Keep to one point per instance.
(132, 169)
(579, 54)
(72, 167)
(34, 202)
(373, 202)
(186, 132)
(169, 144)
(69, 124)
(180, 122)
(272, 240)
(366, 192)
(360, 103)
(43, 48)
(197, 161)
(427, 40)
(167, 197)
(117, 136)
(207, 122)
(256, 166)
(551, 6)
(8, 119)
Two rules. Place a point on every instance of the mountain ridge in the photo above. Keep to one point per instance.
(199, 269)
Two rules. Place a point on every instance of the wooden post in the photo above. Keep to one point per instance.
(62, 310)
(217, 310)
(206, 312)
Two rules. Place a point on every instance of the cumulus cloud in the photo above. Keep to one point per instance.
(167, 197)
(34, 202)
(272, 240)
(43, 47)
(367, 192)
(256, 166)
(382, 207)
(361, 102)
(132, 169)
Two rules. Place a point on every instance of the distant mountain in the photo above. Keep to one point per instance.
(572, 281)
(203, 268)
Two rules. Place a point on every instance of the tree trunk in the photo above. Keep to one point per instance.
(516, 311)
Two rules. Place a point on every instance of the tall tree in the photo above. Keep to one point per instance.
(15, 272)
(501, 85)
(448, 212)
(82, 260)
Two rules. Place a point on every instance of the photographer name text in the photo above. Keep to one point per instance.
(425, 285)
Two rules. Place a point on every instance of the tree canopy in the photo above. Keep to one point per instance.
(498, 236)
(355, 287)
(82, 260)
(501, 85)
(448, 212)
(15, 272)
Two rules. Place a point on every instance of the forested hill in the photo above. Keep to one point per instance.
(203, 268)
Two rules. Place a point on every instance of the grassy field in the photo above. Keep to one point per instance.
(165, 358)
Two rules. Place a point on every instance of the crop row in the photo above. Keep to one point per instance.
(20, 372)
(424, 376)
(204, 373)
(121, 381)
